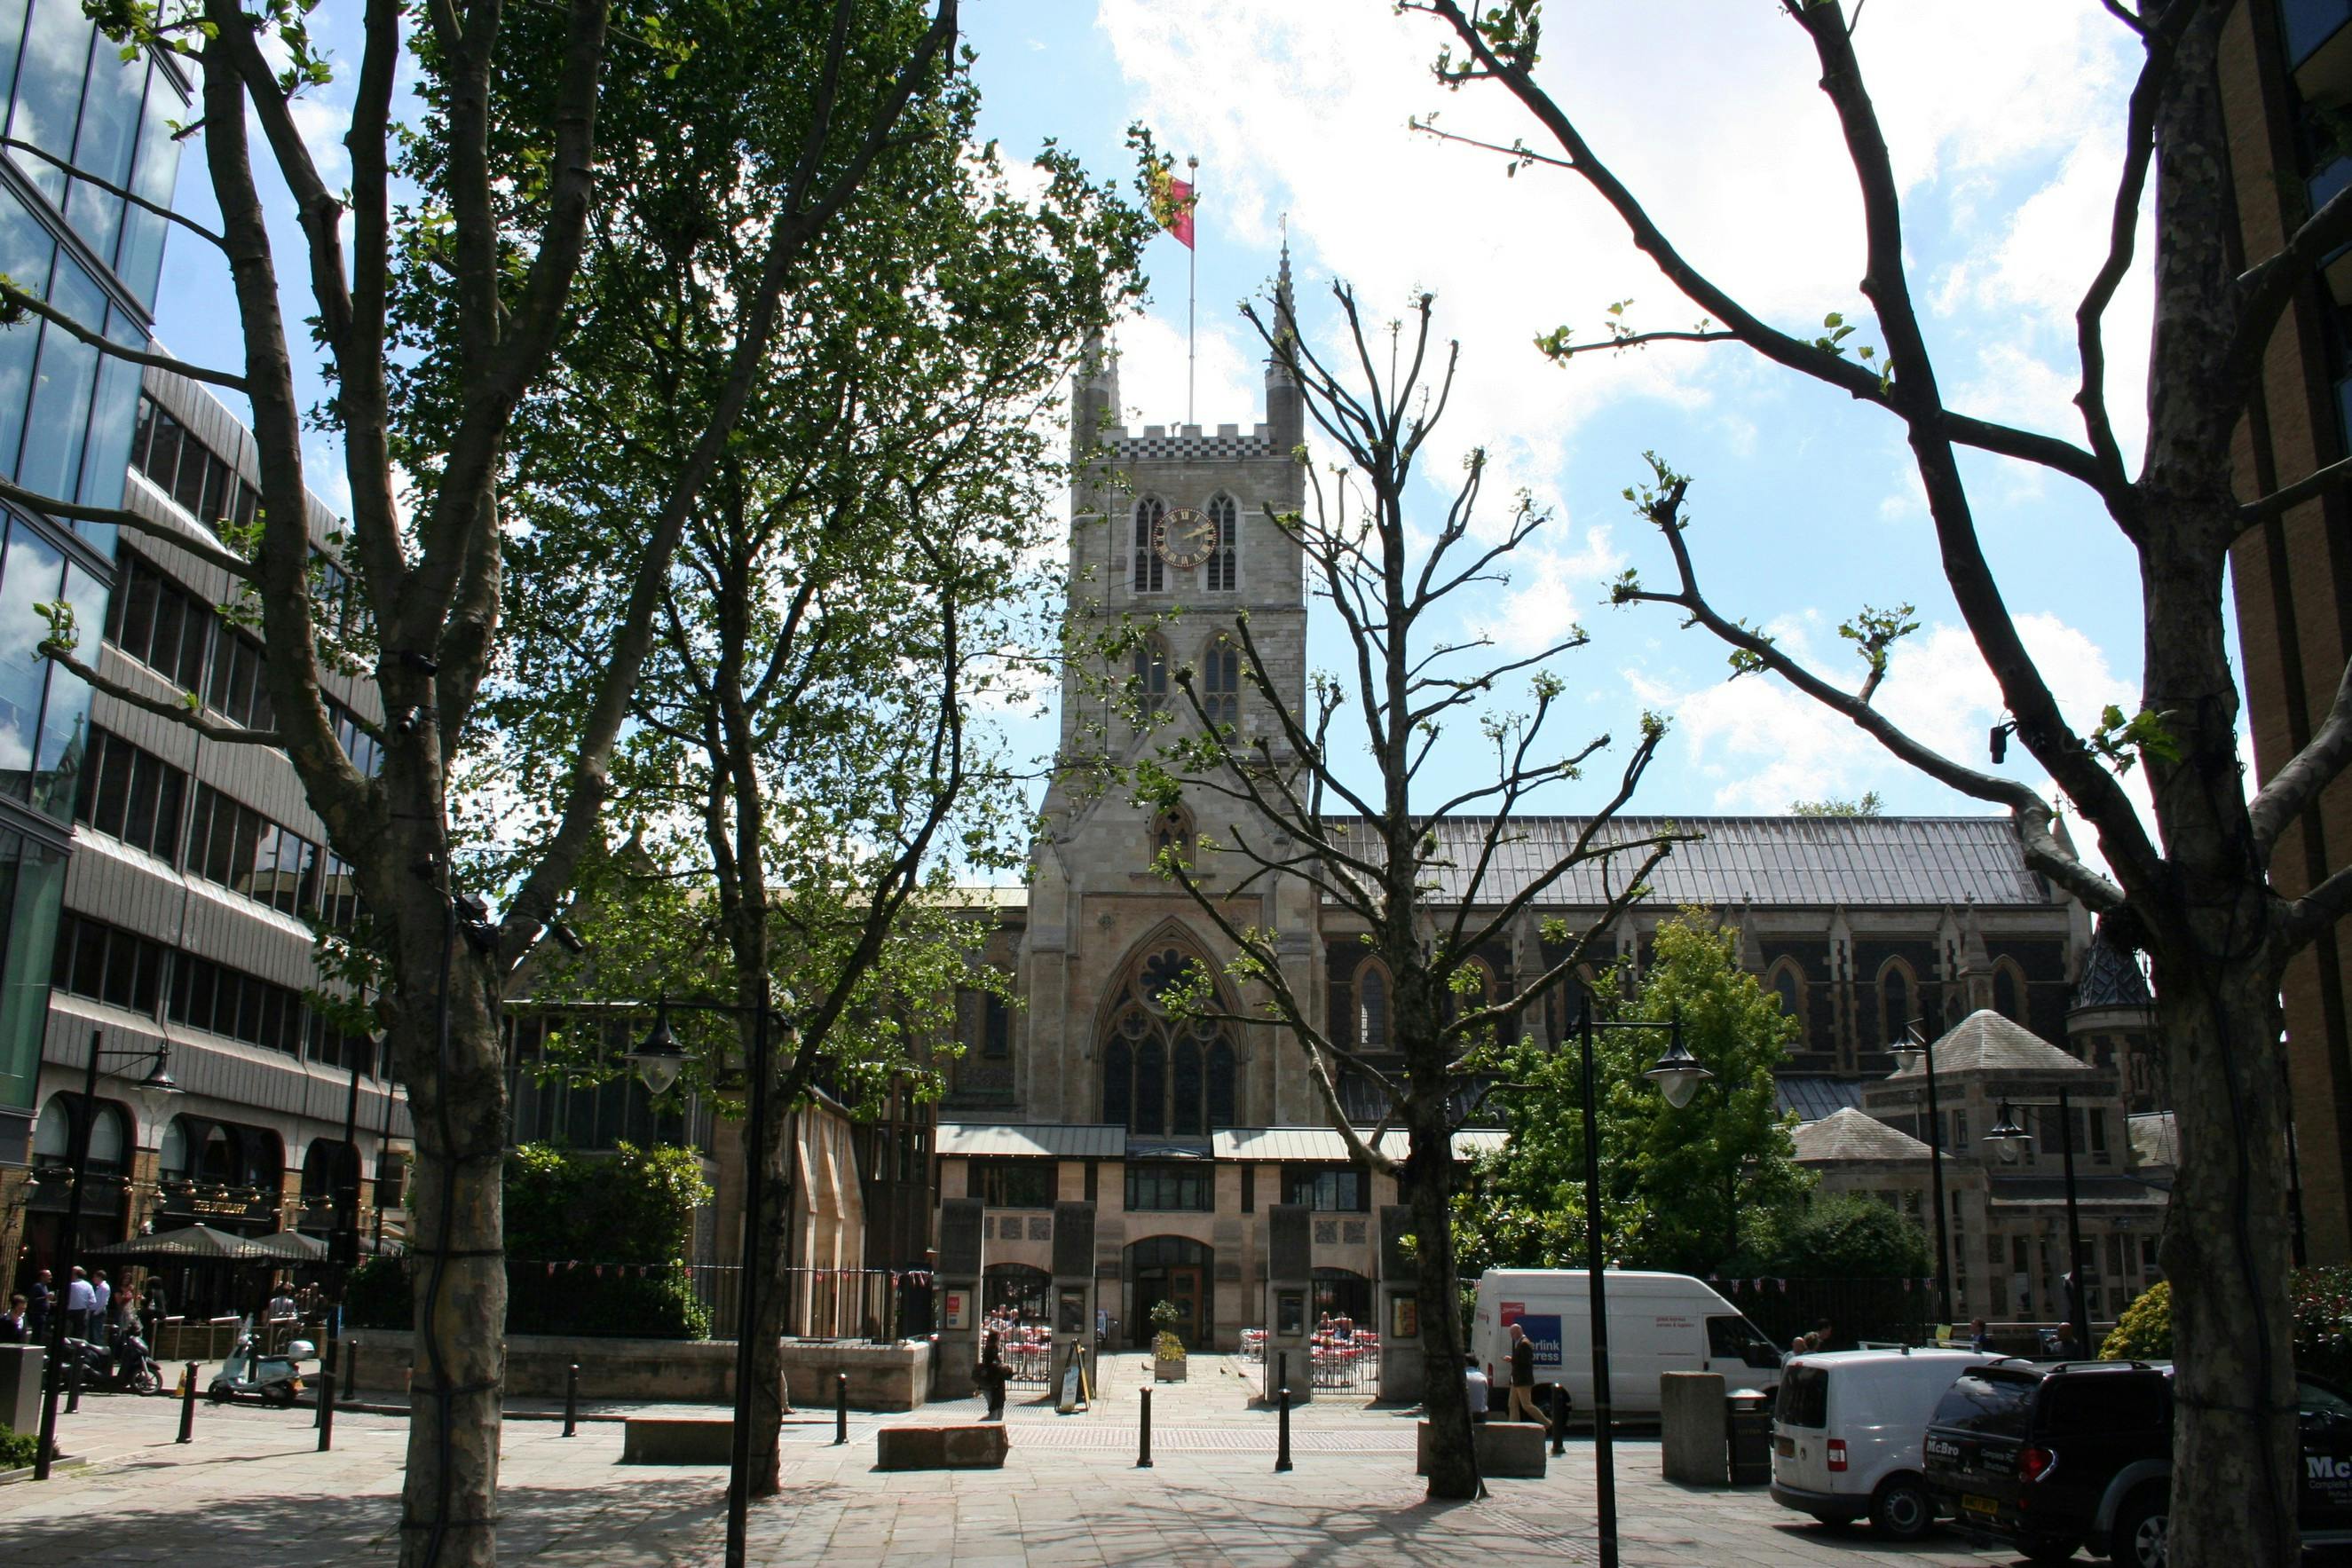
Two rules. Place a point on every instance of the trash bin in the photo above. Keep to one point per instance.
(1748, 1423)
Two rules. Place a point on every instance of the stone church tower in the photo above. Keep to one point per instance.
(1169, 533)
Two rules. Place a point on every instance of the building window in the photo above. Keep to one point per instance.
(158, 623)
(1337, 1188)
(1184, 1109)
(1959, 1143)
(1150, 673)
(132, 795)
(1221, 685)
(1171, 1188)
(2009, 990)
(1787, 981)
(1014, 1183)
(1150, 571)
(996, 1028)
(1373, 1005)
(359, 743)
(1151, 1087)
(1249, 1189)
(1119, 1083)
(108, 964)
(1222, 575)
(215, 997)
(235, 845)
(238, 691)
(207, 488)
(1171, 831)
(1165, 1076)
(1897, 991)
(1221, 1083)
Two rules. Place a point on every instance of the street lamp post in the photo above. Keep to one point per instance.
(2010, 1140)
(1913, 1047)
(155, 1092)
(1677, 1074)
(659, 1059)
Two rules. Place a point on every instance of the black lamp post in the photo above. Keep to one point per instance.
(155, 1092)
(659, 1059)
(1912, 1047)
(1677, 1074)
(2011, 1141)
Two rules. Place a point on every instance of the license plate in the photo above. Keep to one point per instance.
(1975, 1504)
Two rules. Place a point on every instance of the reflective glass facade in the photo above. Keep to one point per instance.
(89, 120)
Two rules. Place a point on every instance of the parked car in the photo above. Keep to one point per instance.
(1657, 1323)
(1846, 1434)
(2048, 1459)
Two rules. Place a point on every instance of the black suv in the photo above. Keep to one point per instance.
(2051, 1458)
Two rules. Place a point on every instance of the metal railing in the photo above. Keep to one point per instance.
(819, 1303)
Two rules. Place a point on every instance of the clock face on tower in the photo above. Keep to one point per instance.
(1185, 537)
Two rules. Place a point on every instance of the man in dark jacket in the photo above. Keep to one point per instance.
(1523, 1381)
(38, 1306)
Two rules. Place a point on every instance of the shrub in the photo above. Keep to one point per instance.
(2145, 1331)
(17, 1449)
(1850, 1237)
(377, 1295)
(1166, 1346)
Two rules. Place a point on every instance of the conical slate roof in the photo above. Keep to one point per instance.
(1984, 1042)
(2109, 978)
(1851, 1134)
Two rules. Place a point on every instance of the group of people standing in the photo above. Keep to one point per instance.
(89, 1303)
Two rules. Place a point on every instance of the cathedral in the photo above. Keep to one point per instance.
(1182, 1136)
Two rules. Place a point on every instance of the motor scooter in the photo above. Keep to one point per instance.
(126, 1364)
(247, 1373)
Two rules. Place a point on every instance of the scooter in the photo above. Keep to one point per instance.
(127, 1366)
(274, 1379)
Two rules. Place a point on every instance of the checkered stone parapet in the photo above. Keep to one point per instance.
(1229, 444)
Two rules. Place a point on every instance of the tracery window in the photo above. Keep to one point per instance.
(1221, 571)
(1221, 684)
(1164, 1075)
(1150, 571)
(1373, 1005)
(1150, 669)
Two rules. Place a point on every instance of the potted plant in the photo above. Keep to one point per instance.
(1167, 1349)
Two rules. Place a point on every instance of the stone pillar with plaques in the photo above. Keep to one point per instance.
(1289, 1300)
(1074, 1287)
(963, 1264)
(1402, 1375)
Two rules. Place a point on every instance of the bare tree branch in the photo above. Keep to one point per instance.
(2293, 789)
(15, 298)
(178, 713)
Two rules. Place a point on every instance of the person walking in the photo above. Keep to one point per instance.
(2067, 1348)
(1474, 1384)
(80, 1300)
(103, 1299)
(1523, 1381)
(38, 1305)
(1979, 1337)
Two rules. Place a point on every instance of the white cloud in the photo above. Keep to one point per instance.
(1550, 585)
(1151, 363)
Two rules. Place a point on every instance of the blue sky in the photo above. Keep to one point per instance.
(1804, 508)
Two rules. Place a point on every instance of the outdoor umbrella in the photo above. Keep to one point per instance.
(293, 1247)
(196, 1243)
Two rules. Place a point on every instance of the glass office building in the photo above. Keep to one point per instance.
(66, 417)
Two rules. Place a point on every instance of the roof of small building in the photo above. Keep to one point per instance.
(2111, 976)
(1984, 1042)
(1089, 1140)
(1806, 861)
(1853, 1134)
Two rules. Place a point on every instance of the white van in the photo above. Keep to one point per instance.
(1846, 1433)
(1657, 1322)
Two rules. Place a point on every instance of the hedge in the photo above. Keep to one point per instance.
(2323, 1325)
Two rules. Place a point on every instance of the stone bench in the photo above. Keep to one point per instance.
(676, 1440)
(978, 1447)
(1510, 1450)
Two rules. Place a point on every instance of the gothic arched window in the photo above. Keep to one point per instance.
(1150, 571)
(1897, 991)
(1221, 683)
(1373, 1005)
(1787, 982)
(1171, 830)
(1150, 674)
(1222, 576)
(1184, 1104)
(1221, 1083)
(1119, 1082)
(2009, 990)
(1151, 1087)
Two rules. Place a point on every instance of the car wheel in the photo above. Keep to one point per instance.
(1901, 1508)
(2143, 1535)
(2041, 1551)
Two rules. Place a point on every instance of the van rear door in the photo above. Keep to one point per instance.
(1801, 1420)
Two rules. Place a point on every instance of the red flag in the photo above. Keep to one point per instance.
(1172, 205)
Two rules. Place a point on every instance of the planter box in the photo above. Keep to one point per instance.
(685, 1371)
(1168, 1371)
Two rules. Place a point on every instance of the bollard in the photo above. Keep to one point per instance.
(1281, 1371)
(326, 1384)
(1558, 1419)
(73, 1397)
(1282, 1453)
(840, 1408)
(351, 1372)
(572, 1400)
(327, 1408)
(188, 1405)
(1143, 1459)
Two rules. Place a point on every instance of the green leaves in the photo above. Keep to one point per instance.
(2124, 741)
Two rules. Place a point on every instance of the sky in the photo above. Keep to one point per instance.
(1804, 507)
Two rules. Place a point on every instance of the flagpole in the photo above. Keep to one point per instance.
(1192, 287)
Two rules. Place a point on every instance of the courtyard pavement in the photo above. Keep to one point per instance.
(252, 1492)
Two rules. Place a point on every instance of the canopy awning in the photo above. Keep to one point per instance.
(195, 1242)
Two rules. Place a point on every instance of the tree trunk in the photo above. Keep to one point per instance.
(1429, 1185)
(457, 1096)
(769, 1166)
(2226, 1252)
